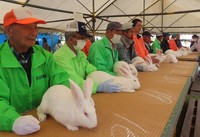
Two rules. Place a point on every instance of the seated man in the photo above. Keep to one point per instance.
(178, 41)
(139, 43)
(196, 44)
(147, 40)
(156, 43)
(165, 44)
(126, 51)
(75, 62)
(172, 43)
(103, 53)
(26, 72)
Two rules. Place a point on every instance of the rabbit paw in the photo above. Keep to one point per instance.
(42, 117)
(73, 128)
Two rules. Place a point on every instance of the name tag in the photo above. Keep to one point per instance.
(41, 77)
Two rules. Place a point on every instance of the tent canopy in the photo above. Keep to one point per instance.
(180, 16)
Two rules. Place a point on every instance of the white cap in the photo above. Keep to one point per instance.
(127, 25)
(77, 26)
(159, 34)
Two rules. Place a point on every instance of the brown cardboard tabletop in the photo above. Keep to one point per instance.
(151, 111)
(192, 57)
(181, 68)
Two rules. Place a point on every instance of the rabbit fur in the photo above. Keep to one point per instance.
(127, 84)
(70, 107)
(175, 53)
(129, 67)
(170, 58)
(147, 65)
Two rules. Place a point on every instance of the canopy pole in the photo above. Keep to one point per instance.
(93, 20)
(143, 28)
(162, 6)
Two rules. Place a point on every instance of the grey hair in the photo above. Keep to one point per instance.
(68, 34)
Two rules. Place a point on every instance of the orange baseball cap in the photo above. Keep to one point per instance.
(20, 16)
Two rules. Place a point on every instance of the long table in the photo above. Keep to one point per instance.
(192, 57)
(181, 68)
(151, 111)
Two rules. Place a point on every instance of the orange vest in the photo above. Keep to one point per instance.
(87, 47)
(172, 45)
(140, 46)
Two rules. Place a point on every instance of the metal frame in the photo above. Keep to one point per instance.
(95, 15)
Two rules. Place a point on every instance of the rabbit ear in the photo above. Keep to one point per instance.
(77, 92)
(126, 66)
(125, 72)
(88, 85)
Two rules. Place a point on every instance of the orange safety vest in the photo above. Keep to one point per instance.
(87, 47)
(140, 46)
(172, 45)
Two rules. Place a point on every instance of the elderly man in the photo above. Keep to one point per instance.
(75, 62)
(125, 48)
(26, 72)
(165, 42)
(103, 53)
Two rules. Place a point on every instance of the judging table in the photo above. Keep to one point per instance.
(192, 57)
(181, 68)
(153, 110)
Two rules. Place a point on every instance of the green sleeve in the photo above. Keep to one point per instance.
(65, 64)
(154, 47)
(8, 113)
(98, 57)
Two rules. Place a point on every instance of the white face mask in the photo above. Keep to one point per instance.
(116, 39)
(80, 45)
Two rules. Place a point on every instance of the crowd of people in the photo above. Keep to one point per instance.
(27, 70)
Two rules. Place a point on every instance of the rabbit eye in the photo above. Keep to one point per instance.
(86, 114)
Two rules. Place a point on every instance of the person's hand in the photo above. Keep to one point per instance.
(25, 125)
(108, 86)
(155, 60)
(159, 52)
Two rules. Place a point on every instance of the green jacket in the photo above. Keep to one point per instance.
(102, 57)
(77, 66)
(156, 46)
(16, 96)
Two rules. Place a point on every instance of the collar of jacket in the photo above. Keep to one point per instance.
(107, 43)
(70, 53)
(8, 58)
(157, 40)
(126, 41)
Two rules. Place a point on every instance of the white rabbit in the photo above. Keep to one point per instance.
(72, 108)
(158, 56)
(127, 84)
(176, 53)
(185, 51)
(146, 65)
(170, 58)
(133, 70)
(129, 67)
